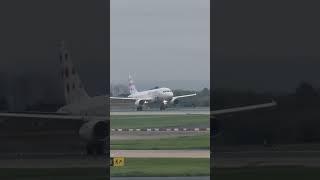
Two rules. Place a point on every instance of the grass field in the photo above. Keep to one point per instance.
(51, 173)
(187, 142)
(159, 121)
(163, 167)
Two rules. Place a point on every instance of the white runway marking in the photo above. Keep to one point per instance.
(163, 129)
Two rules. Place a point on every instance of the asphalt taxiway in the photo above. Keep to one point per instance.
(57, 161)
(252, 158)
(180, 111)
(153, 113)
(161, 178)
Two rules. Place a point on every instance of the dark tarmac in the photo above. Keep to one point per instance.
(161, 178)
(267, 158)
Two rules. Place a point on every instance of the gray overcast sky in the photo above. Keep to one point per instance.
(31, 31)
(160, 40)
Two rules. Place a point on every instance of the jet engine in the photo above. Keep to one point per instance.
(139, 102)
(165, 102)
(174, 101)
(94, 130)
(95, 133)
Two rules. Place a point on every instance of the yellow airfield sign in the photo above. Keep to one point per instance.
(117, 161)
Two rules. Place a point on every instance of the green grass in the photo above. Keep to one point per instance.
(267, 173)
(187, 142)
(52, 173)
(159, 121)
(158, 167)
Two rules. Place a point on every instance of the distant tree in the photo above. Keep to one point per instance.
(204, 92)
(119, 89)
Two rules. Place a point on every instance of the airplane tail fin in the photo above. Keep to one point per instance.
(132, 87)
(74, 91)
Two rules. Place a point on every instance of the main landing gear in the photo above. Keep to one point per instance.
(162, 107)
(139, 108)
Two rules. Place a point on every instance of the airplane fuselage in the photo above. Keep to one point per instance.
(156, 95)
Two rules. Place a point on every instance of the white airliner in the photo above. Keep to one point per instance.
(157, 95)
(91, 112)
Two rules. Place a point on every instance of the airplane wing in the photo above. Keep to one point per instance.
(128, 98)
(122, 98)
(243, 108)
(188, 95)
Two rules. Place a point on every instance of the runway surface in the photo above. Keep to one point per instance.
(202, 111)
(161, 153)
(161, 178)
(57, 162)
(267, 158)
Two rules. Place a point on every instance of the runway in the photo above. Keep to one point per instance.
(180, 111)
(195, 129)
(156, 113)
(161, 178)
(55, 162)
(267, 158)
(161, 153)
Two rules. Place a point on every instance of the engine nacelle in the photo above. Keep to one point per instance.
(94, 130)
(174, 101)
(139, 102)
